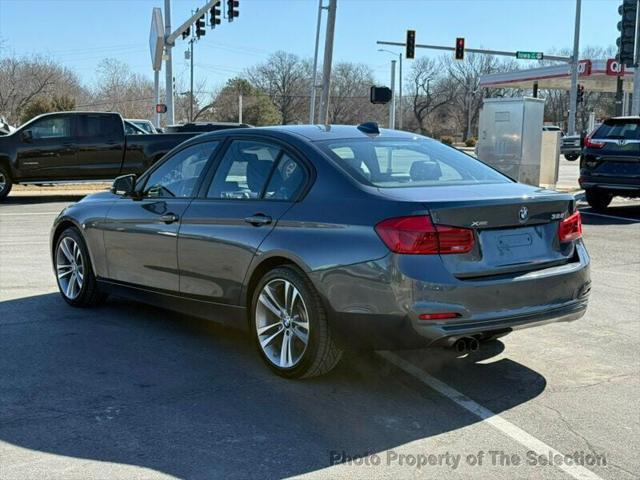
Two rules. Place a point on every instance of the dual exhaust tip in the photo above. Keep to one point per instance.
(464, 345)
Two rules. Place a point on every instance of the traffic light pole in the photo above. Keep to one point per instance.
(392, 105)
(326, 66)
(169, 42)
(573, 93)
(314, 86)
(168, 65)
(635, 99)
(191, 83)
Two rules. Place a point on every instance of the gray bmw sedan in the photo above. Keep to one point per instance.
(315, 238)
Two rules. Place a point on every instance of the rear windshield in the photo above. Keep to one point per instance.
(619, 129)
(417, 162)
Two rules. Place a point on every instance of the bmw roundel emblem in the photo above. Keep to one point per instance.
(523, 214)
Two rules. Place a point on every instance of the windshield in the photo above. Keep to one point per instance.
(417, 162)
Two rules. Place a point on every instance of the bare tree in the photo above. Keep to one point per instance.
(350, 85)
(24, 80)
(285, 78)
(429, 90)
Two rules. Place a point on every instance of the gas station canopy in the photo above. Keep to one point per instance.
(594, 75)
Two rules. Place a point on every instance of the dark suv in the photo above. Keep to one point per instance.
(610, 162)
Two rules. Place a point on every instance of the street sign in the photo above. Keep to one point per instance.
(584, 68)
(615, 68)
(156, 39)
(529, 55)
(161, 108)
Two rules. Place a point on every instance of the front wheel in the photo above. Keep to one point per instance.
(571, 156)
(598, 200)
(5, 182)
(74, 273)
(290, 327)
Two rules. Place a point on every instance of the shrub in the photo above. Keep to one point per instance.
(447, 140)
(471, 142)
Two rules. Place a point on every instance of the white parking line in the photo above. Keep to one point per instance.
(516, 433)
(12, 214)
(608, 216)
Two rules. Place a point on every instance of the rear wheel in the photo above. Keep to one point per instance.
(5, 182)
(598, 200)
(571, 156)
(74, 273)
(290, 327)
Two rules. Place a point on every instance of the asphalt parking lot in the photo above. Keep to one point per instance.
(133, 392)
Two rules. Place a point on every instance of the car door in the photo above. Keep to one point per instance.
(47, 148)
(140, 234)
(254, 184)
(100, 145)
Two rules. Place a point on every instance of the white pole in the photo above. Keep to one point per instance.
(326, 66)
(635, 99)
(168, 64)
(240, 108)
(312, 104)
(156, 91)
(573, 94)
(400, 107)
(392, 106)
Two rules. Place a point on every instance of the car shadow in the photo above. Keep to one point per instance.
(613, 215)
(136, 385)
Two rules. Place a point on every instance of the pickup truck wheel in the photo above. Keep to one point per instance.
(571, 156)
(74, 273)
(598, 200)
(5, 182)
(289, 325)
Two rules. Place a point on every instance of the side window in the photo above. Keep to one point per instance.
(51, 127)
(287, 180)
(244, 170)
(178, 175)
(100, 126)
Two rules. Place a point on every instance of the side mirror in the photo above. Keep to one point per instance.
(124, 185)
(27, 136)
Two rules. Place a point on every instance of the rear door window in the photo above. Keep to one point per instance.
(253, 170)
(104, 126)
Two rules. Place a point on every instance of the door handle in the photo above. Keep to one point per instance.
(258, 219)
(169, 218)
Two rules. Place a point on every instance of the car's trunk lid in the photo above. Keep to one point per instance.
(515, 226)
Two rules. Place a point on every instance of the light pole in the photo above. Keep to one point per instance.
(400, 106)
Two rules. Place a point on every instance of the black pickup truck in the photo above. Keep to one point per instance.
(77, 146)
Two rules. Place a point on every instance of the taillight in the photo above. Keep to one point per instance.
(438, 316)
(419, 236)
(570, 228)
(591, 143)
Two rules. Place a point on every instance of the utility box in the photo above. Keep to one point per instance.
(510, 137)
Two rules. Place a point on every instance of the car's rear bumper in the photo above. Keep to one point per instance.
(375, 305)
(613, 185)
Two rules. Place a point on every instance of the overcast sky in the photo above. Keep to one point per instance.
(80, 33)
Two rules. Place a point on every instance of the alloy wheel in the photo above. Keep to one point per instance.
(70, 268)
(3, 182)
(282, 323)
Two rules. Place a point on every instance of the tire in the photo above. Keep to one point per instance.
(571, 156)
(598, 200)
(74, 272)
(320, 354)
(5, 182)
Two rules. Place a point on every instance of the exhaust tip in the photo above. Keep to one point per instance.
(473, 344)
(460, 346)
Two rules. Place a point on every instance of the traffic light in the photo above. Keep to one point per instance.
(580, 98)
(410, 51)
(380, 95)
(215, 15)
(627, 29)
(186, 33)
(232, 9)
(200, 31)
(460, 48)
